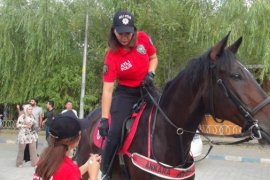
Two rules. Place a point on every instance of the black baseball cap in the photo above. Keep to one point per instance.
(65, 125)
(123, 22)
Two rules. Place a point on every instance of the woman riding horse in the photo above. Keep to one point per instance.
(215, 83)
(131, 60)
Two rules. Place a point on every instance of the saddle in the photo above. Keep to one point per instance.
(128, 130)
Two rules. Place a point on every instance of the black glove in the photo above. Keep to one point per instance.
(148, 80)
(103, 127)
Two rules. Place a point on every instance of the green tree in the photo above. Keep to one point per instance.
(41, 41)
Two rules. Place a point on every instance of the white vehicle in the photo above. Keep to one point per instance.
(196, 146)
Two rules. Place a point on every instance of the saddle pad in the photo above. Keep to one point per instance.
(97, 139)
(151, 166)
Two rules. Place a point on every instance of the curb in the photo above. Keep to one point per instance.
(239, 159)
(226, 139)
(8, 141)
(211, 157)
(15, 131)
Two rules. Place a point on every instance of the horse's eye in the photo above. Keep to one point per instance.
(236, 76)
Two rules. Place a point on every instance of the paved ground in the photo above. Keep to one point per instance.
(8, 154)
(231, 170)
(239, 162)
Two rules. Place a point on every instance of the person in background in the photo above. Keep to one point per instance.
(69, 107)
(49, 117)
(37, 113)
(1, 119)
(26, 135)
(132, 61)
(54, 162)
(19, 109)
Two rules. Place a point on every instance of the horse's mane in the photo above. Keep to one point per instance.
(197, 69)
(89, 118)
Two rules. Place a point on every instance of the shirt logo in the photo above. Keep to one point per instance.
(126, 65)
(141, 49)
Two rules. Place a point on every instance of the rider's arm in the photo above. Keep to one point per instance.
(153, 63)
(106, 99)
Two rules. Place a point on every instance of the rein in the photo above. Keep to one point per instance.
(254, 131)
(179, 132)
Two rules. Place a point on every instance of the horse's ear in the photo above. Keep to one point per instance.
(234, 47)
(217, 50)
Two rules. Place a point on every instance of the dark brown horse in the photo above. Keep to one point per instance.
(214, 83)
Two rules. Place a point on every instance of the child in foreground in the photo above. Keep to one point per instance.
(54, 163)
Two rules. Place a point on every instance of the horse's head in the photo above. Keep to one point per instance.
(234, 93)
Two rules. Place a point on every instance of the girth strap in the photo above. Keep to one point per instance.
(123, 167)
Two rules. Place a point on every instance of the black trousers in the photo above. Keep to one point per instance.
(26, 156)
(121, 108)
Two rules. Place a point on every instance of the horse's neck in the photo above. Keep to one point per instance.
(184, 109)
(168, 146)
(183, 106)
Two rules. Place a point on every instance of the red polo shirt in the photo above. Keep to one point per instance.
(66, 171)
(129, 67)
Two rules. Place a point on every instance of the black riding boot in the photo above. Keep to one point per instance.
(107, 158)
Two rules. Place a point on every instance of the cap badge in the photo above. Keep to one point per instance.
(125, 21)
(141, 49)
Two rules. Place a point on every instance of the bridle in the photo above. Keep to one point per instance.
(253, 132)
(254, 129)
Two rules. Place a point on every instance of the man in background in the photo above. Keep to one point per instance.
(49, 117)
(37, 113)
(69, 107)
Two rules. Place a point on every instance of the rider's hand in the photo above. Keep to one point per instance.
(148, 80)
(103, 127)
